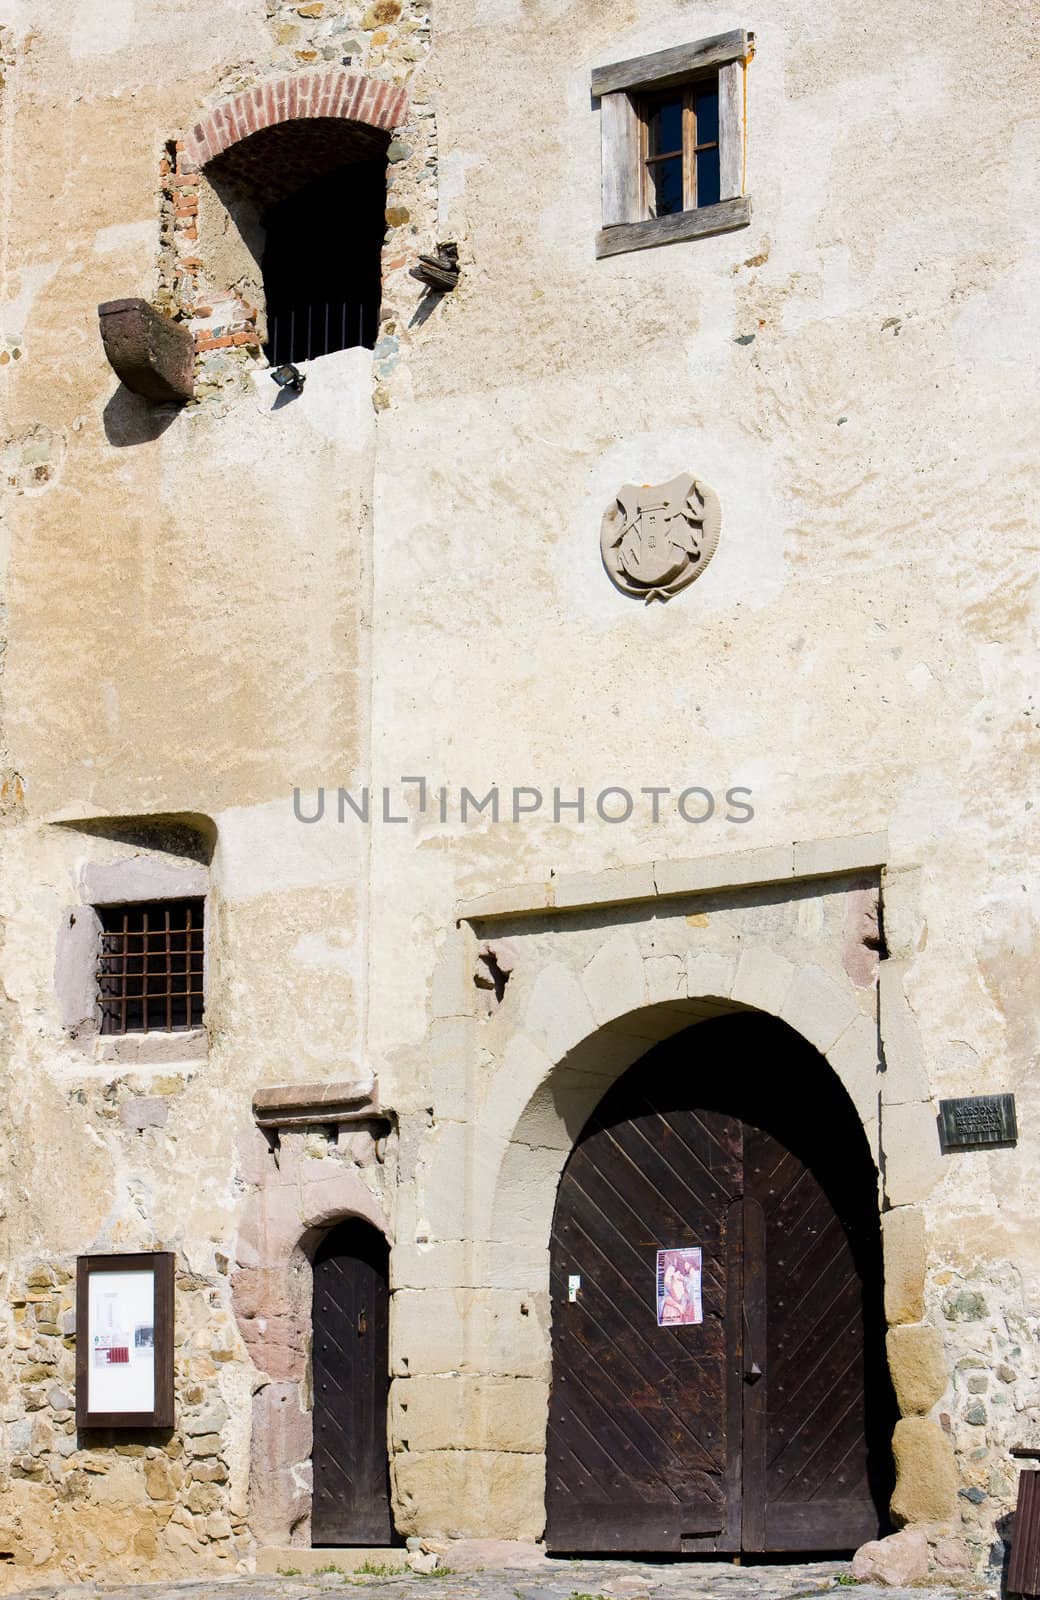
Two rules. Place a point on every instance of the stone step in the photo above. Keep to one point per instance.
(286, 1560)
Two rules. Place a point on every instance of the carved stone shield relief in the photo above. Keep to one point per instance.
(656, 538)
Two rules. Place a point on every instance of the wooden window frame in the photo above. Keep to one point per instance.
(160, 1263)
(624, 91)
(645, 105)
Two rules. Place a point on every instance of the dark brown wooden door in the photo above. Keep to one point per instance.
(351, 1502)
(765, 1426)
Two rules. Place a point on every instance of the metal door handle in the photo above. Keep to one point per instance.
(362, 1325)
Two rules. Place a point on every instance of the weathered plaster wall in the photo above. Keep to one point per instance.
(206, 608)
(849, 655)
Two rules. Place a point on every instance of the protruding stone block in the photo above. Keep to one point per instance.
(451, 1330)
(470, 1494)
(904, 1247)
(312, 1105)
(918, 1367)
(477, 1413)
(926, 1477)
(857, 852)
(913, 1159)
(905, 1078)
(152, 355)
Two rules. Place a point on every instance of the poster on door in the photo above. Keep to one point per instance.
(679, 1297)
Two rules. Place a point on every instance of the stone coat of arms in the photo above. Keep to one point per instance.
(657, 538)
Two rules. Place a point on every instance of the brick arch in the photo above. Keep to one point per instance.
(335, 93)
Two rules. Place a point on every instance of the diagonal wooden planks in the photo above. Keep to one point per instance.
(637, 1427)
(351, 1502)
(649, 1426)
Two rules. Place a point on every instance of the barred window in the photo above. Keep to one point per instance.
(150, 969)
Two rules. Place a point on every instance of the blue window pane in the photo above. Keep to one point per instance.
(708, 189)
(666, 128)
(707, 116)
(666, 186)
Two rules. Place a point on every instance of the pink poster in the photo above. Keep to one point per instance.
(679, 1287)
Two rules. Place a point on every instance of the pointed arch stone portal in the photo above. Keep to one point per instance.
(599, 978)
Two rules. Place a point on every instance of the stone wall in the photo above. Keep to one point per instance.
(399, 573)
(135, 1502)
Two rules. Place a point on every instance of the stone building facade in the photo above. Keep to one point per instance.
(259, 646)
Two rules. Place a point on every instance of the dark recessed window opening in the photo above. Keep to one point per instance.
(681, 148)
(150, 969)
(321, 264)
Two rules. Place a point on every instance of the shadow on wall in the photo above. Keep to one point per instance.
(180, 833)
(129, 419)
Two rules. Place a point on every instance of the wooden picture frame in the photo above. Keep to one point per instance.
(124, 1340)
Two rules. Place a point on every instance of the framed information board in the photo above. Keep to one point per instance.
(124, 1341)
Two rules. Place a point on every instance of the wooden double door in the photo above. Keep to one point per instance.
(351, 1501)
(719, 1378)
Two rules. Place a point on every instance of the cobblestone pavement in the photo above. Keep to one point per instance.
(549, 1580)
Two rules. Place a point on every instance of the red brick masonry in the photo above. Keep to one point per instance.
(335, 93)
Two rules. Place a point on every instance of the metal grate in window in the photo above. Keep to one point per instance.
(150, 969)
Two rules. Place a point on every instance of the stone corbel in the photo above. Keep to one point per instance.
(151, 354)
(318, 1105)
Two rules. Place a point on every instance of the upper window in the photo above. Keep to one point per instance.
(150, 966)
(673, 137)
(681, 133)
(304, 219)
(321, 264)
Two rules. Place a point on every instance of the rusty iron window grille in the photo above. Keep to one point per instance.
(322, 264)
(150, 967)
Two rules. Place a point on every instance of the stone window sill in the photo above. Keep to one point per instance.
(698, 224)
(151, 1049)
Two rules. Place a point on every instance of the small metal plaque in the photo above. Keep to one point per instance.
(978, 1120)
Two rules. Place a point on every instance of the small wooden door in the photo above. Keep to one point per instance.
(765, 1426)
(351, 1502)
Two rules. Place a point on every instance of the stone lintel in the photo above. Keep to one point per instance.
(150, 353)
(661, 880)
(317, 1105)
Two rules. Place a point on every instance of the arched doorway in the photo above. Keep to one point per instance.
(719, 1375)
(351, 1503)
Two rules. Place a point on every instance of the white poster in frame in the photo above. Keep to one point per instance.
(121, 1320)
(124, 1340)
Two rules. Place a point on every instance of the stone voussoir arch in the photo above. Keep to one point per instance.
(334, 94)
(549, 1087)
